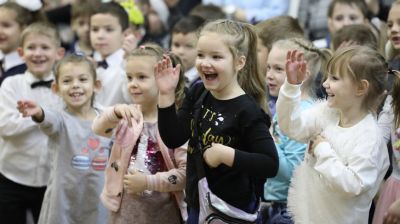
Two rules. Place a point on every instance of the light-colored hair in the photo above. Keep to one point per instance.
(396, 97)
(316, 59)
(241, 39)
(41, 28)
(154, 50)
(361, 63)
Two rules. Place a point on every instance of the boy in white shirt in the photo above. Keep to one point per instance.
(108, 28)
(24, 154)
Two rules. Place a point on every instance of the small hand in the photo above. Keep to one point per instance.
(127, 112)
(29, 109)
(218, 154)
(314, 143)
(296, 67)
(135, 182)
(167, 77)
(393, 214)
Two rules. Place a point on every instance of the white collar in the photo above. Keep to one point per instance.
(11, 60)
(113, 59)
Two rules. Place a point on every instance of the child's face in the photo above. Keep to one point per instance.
(10, 31)
(184, 45)
(80, 26)
(393, 31)
(276, 70)
(343, 15)
(141, 81)
(40, 53)
(76, 85)
(106, 34)
(262, 56)
(215, 64)
(341, 91)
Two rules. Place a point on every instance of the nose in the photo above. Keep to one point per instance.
(325, 84)
(395, 28)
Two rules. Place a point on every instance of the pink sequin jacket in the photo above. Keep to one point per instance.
(125, 140)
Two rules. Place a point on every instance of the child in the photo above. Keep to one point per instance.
(342, 13)
(388, 205)
(232, 125)
(108, 27)
(80, 17)
(154, 170)
(24, 162)
(269, 31)
(80, 156)
(347, 156)
(13, 19)
(183, 44)
(290, 152)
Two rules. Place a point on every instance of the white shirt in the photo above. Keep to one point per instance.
(11, 60)
(338, 184)
(191, 76)
(113, 80)
(24, 154)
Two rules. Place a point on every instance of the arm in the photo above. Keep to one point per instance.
(49, 122)
(11, 122)
(364, 165)
(105, 123)
(386, 119)
(173, 179)
(290, 157)
(294, 122)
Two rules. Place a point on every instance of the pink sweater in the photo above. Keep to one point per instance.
(125, 140)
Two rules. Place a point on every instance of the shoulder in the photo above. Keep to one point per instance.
(250, 111)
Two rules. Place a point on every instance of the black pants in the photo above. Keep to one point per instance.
(16, 199)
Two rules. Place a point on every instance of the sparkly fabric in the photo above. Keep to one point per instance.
(148, 207)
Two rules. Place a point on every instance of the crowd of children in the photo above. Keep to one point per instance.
(121, 122)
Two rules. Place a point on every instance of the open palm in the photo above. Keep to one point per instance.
(167, 77)
(296, 67)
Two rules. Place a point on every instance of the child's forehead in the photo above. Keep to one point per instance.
(104, 19)
(37, 37)
(340, 6)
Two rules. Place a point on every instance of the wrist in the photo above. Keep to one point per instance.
(116, 114)
(38, 117)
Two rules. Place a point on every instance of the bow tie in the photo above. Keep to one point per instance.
(42, 83)
(102, 64)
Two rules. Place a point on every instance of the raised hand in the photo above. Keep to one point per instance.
(129, 44)
(166, 75)
(127, 112)
(30, 109)
(296, 67)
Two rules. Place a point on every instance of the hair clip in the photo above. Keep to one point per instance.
(142, 47)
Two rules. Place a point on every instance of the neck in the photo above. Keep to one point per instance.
(149, 113)
(352, 116)
(85, 112)
(85, 47)
(41, 76)
(230, 91)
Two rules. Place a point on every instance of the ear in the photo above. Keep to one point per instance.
(20, 51)
(362, 88)
(97, 86)
(240, 63)
(54, 87)
(60, 53)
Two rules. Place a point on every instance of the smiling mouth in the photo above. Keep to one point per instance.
(210, 77)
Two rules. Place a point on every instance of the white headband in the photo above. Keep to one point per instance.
(31, 5)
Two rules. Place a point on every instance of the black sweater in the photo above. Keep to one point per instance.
(238, 123)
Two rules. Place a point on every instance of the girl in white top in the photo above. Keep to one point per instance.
(347, 156)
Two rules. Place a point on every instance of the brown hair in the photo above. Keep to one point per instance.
(84, 8)
(24, 17)
(154, 50)
(41, 28)
(396, 97)
(316, 59)
(277, 28)
(358, 33)
(208, 12)
(361, 63)
(241, 39)
(360, 4)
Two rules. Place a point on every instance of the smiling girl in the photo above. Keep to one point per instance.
(233, 127)
(80, 156)
(347, 156)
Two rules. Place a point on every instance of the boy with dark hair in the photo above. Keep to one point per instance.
(183, 43)
(356, 34)
(109, 25)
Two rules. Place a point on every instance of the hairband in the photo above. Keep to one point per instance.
(31, 5)
(143, 47)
